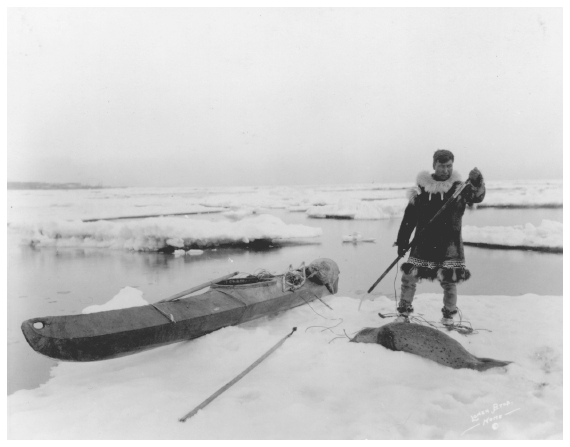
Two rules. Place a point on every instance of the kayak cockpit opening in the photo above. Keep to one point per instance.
(259, 276)
(241, 281)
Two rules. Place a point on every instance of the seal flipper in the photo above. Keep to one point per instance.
(366, 335)
(487, 363)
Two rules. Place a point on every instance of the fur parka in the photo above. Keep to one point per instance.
(439, 252)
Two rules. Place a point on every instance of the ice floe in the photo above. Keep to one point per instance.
(154, 234)
(547, 235)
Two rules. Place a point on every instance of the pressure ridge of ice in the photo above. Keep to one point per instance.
(152, 234)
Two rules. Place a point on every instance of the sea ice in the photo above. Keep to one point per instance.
(127, 297)
(548, 234)
(317, 385)
(364, 201)
(153, 234)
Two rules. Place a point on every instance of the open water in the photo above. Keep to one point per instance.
(48, 281)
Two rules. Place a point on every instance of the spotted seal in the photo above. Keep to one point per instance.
(427, 342)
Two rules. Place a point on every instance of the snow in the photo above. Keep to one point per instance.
(240, 213)
(322, 212)
(356, 237)
(316, 386)
(244, 222)
(547, 235)
(298, 208)
(523, 194)
(103, 203)
(193, 252)
(359, 209)
(152, 234)
(175, 242)
(366, 201)
(127, 297)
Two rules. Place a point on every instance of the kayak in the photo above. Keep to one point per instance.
(114, 333)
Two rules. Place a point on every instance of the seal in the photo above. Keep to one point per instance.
(426, 342)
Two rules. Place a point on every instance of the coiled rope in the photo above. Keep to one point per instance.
(326, 328)
(294, 279)
(463, 329)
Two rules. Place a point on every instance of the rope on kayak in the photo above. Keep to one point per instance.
(324, 303)
(311, 307)
(229, 384)
(294, 279)
(169, 316)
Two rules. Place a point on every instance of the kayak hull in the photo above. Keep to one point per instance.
(115, 333)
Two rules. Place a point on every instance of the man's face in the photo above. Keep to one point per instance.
(443, 170)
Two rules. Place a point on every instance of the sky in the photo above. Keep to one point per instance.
(281, 96)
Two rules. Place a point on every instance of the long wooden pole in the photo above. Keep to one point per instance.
(196, 288)
(229, 384)
(419, 235)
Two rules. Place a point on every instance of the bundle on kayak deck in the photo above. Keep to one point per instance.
(114, 333)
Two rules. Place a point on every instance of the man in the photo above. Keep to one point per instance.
(439, 252)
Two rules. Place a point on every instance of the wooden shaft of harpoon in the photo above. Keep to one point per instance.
(418, 236)
(229, 384)
(196, 288)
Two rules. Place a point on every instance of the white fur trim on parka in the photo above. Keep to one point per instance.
(432, 186)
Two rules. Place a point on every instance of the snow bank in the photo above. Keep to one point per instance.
(156, 233)
(127, 297)
(314, 387)
(548, 235)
